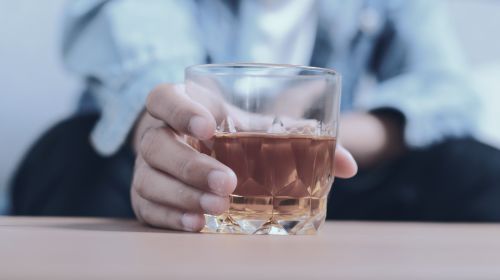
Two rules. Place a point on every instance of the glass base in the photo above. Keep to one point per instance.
(227, 224)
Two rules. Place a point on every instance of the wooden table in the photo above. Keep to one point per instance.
(90, 248)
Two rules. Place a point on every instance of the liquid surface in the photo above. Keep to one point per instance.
(283, 182)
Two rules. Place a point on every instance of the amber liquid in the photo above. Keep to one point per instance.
(283, 182)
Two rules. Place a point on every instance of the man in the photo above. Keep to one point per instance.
(410, 136)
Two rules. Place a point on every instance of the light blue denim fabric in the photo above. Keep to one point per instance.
(125, 48)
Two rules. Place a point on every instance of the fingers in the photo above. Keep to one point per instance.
(159, 187)
(169, 103)
(164, 216)
(174, 184)
(345, 165)
(164, 150)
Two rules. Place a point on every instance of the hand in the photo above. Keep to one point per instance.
(372, 138)
(173, 184)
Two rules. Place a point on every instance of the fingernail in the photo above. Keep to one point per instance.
(217, 181)
(197, 126)
(187, 221)
(210, 203)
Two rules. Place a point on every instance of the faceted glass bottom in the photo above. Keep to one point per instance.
(246, 223)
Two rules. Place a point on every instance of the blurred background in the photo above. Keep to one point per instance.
(36, 91)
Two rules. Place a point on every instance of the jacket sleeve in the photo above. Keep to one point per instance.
(124, 48)
(422, 74)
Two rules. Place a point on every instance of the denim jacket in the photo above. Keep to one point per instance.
(125, 48)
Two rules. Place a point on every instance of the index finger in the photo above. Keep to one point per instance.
(169, 103)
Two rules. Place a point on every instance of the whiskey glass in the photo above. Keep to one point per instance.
(276, 129)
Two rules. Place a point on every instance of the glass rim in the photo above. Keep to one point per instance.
(328, 72)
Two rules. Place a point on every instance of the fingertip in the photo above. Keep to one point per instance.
(223, 205)
(346, 166)
(214, 204)
(199, 222)
(211, 127)
(198, 126)
(352, 161)
(193, 221)
(231, 182)
(202, 127)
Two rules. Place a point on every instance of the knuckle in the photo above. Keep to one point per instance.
(170, 216)
(159, 217)
(149, 143)
(187, 167)
(136, 204)
(152, 99)
(155, 96)
(174, 112)
(181, 196)
(175, 115)
(147, 213)
(139, 180)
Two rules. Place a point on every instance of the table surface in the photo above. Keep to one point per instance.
(92, 248)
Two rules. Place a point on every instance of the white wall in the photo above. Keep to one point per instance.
(477, 23)
(35, 91)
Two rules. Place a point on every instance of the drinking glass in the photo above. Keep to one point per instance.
(277, 130)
